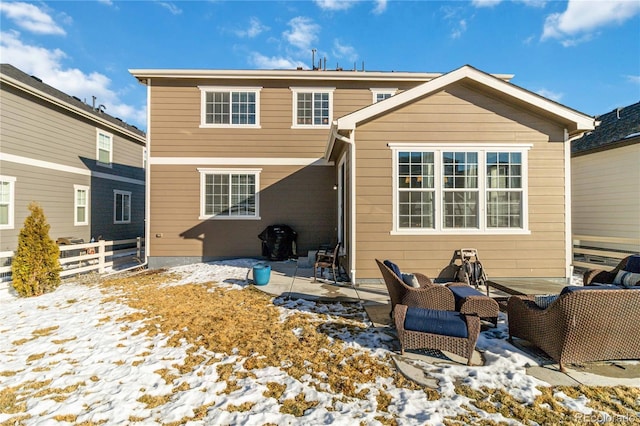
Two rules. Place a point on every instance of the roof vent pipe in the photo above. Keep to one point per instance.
(618, 113)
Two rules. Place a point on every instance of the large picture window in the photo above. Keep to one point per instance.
(454, 189)
(229, 194)
(7, 194)
(230, 106)
(312, 107)
(121, 206)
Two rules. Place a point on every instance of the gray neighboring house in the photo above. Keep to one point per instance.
(83, 166)
(606, 178)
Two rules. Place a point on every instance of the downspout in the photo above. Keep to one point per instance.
(567, 206)
(147, 177)
(352, 198)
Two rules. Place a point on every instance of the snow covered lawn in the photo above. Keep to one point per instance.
(196, 345)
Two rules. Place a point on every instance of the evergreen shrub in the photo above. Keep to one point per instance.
(35, 267)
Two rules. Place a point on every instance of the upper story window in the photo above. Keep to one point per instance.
(104, 148)
(121, 206)
(230, 106)
(460, 189)
(7, 201)
(382, 94)
(312, 107)
(229, 193)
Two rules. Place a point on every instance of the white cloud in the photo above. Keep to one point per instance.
(334, 4)
(554, 96)
(460, 29)
(303, 34)
(381, 7)
(341, 51)
(255, 28)
(635, 79)
(486, 3)
(171, 7)
(30, 18)
(48, 66)
(274, 62)
(582, 18)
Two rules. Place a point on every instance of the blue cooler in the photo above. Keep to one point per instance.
(261, 274)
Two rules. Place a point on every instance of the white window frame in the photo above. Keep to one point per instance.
(76, 189)
(108, 135)
(118, 193)
(10, 202)
(313, 90)
(482, 150)
(226, 171)
(375, 92)
(227, 89)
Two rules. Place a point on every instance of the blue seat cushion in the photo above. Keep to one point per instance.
(396, 270)
(574, 288)
(633, 264)
(444, 323)
(464, 291)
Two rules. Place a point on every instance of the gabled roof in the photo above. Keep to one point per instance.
(575, 122)
(13, 76)
(616, 127)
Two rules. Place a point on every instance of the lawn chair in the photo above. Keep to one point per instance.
(327, 259)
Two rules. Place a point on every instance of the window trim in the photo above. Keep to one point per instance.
(87, 206)
(227, 89)
(228, 171)
(12, 202)
(481, 149)
(294, 106)
(110, 136)
(116, 193)
(378, 91)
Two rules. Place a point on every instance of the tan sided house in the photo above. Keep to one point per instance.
(405, 166)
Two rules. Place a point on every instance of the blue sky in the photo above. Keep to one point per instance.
(583, 54)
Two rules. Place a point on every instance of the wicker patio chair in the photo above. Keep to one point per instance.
(599, 276)
(428, 295)
(462, 346)
(591, 324)
(471, 301)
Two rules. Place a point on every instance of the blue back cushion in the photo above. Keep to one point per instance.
(396, 270)
(633, 264)
(444, 323)
(574, 288)
(463, 291)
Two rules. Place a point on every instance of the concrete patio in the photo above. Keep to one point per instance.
(294, 279)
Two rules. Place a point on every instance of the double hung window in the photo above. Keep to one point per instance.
(382, 94)
(230, 106)
(7, 194)
(456, 189)
(104, 148)
(312, 107)
(81, 205)
(229, 194)
(121, 207)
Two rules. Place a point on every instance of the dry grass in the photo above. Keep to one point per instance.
(247, 324)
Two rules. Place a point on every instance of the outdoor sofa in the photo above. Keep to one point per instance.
(592, 323)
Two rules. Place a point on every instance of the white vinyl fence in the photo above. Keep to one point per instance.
(99, 256)
(595, 252)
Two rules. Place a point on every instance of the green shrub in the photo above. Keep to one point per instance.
(35, 267)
